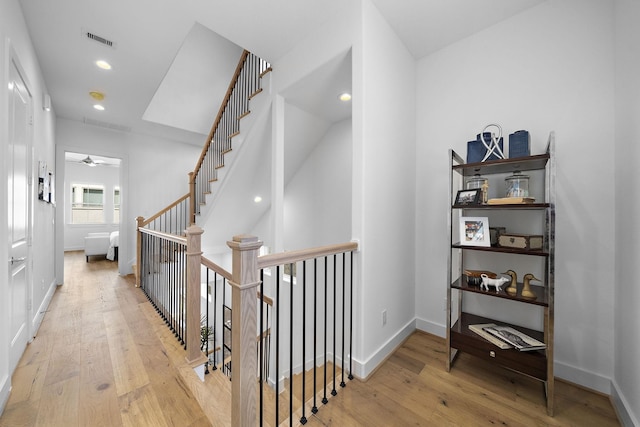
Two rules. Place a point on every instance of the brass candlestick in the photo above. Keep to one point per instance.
(512, 288)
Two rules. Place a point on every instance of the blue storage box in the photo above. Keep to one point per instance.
(476, 149)
(519, 143)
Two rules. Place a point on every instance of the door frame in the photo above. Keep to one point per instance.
(13, 58)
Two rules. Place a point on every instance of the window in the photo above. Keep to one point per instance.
(87, 204)
(116, 205)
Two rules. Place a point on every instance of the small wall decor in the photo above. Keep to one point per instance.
(52, 188)
(43, 182)
(474, 231)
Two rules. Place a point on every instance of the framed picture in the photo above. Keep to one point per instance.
(474, 231)
(469, 197)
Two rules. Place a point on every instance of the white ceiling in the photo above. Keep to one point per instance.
(165, 58)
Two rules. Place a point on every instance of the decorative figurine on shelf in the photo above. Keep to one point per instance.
(488, 281)
(526, 287)
(494, 145)
(512, 288)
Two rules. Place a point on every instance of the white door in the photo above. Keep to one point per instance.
(18, 206)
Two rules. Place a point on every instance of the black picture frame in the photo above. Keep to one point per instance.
(471, 196)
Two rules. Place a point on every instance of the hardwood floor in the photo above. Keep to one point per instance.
(96, 360)
(412, 388)
(103, 357)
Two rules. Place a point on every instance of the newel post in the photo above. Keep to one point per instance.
(194, 260)
(138, 266)
(192, 198)
(244, 358)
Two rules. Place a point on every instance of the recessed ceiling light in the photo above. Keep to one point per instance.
(257, 199)
(103, 64)
(98, 107)
(344, 97)
(98, 96)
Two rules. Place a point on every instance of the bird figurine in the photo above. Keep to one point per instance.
(526, 287)
(512, 288)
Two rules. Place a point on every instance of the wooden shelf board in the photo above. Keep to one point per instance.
(523, 206)
(540, 291)
(531, 363)
(503, 166)
(501, 249)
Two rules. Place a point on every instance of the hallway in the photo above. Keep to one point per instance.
(96, 360)
(103, 357)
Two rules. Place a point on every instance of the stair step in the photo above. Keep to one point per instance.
(283, 400)
(245, 114)
(265, 72)
(254, 94)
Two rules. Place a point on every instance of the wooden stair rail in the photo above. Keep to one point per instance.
(244, 85)
(214, 128)
(147, 221)
(223, 106)
(289, 257)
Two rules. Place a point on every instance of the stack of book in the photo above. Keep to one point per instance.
(507, 337)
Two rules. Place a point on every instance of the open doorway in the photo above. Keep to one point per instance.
(91, 204)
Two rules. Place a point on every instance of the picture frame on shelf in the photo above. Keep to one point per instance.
(474, 231)
(471, 196)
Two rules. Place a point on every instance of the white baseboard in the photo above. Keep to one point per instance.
(431, 328)
(39, 315)
(5, 390)
(362, 369)
(623, 408)
(583, 378)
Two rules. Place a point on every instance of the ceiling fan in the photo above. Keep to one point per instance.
(89, 161)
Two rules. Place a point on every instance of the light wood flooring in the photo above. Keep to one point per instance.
(102, 357)
(96, 360)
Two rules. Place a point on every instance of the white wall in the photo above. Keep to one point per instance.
(317, 200)
(153, 174)
(384, 185)
(627, 323)
(14, 35)
(549, 68)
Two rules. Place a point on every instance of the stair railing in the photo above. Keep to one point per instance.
(313, 324)
(311, 312)
(169, 274)
(244, 85)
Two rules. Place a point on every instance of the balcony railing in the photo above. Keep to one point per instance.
(298, 339)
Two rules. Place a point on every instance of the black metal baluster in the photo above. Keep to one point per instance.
(208, 330)
(185, 297)
(335, 267)
(314, 409)
(351, 318)
(261, 347)
(277, 316)
(214, 291)
(303, 419)
(342, 383)
(291, 345)
(324, 396)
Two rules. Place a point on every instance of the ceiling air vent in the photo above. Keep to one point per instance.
(113, 126)
(92, 36)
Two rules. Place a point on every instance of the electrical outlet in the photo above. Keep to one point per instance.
(384, 317)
